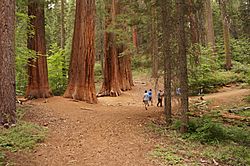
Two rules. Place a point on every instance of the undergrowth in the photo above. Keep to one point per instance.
(207, 139)
(23, 136)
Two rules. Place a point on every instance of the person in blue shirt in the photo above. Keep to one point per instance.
(150, 94)
(145, 99)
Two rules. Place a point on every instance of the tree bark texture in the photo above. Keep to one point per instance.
(210, 39)
(113, 68)
(124, 57)
(154, 43)
(62, 25)
(38, 83)
(194, 31)
(63, 37)
(125, 72)
(81, 85)
(7, 63)
(226, 34)
(180, 4)
(166, 27)
(135, 37)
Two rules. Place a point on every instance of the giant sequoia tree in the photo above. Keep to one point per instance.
(7, 62)
(38, 84)
(111, 83)
(81, 85)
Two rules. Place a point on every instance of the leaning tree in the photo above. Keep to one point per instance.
(7, 62)
(38, 83)
(81, 85)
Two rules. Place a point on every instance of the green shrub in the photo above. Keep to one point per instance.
(56, 65)
(141, 61)
(206, 130)
(98, 72)
(1, 159)
(166, 155)
(23, 136)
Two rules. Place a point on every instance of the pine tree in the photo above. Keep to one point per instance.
(7, 63)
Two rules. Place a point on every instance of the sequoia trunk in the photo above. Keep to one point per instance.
(38, 84)
(125, 72)
(81, 85)
(111, 84)
(7, 63)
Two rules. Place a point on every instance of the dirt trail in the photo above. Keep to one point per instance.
(110, 133)
(227, 96)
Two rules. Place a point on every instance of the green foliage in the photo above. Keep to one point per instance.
(23, 136)
(1, 159)
(162, 130)
(206, 130)
(22, 52)
(141, 62)
(98, 72)
(56, 67)
(167, 155)
(247, 99)
(228, 154)
(209, 73)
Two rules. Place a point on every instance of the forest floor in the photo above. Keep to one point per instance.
(110, 133)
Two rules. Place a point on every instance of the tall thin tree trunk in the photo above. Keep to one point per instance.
(38, 84)
(135, 37)
(154, 43)
(194, 31)
(183, 63)
(62, 25)
(210, 39)
(226, 34)
(81, 84)
(63, 37)
(166, 26)
(7, 63)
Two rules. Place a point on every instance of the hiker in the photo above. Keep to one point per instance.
(178, 91)
(159, 97)
(145, 99)
(150, 96)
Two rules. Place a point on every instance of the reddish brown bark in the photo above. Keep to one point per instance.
(154, 42)
(7, 63)
(38, 84)
(81, 84)
(125, 72)
(111, 85)
(166, 27)
(135, 37)
(180, 4)
(194, 35)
